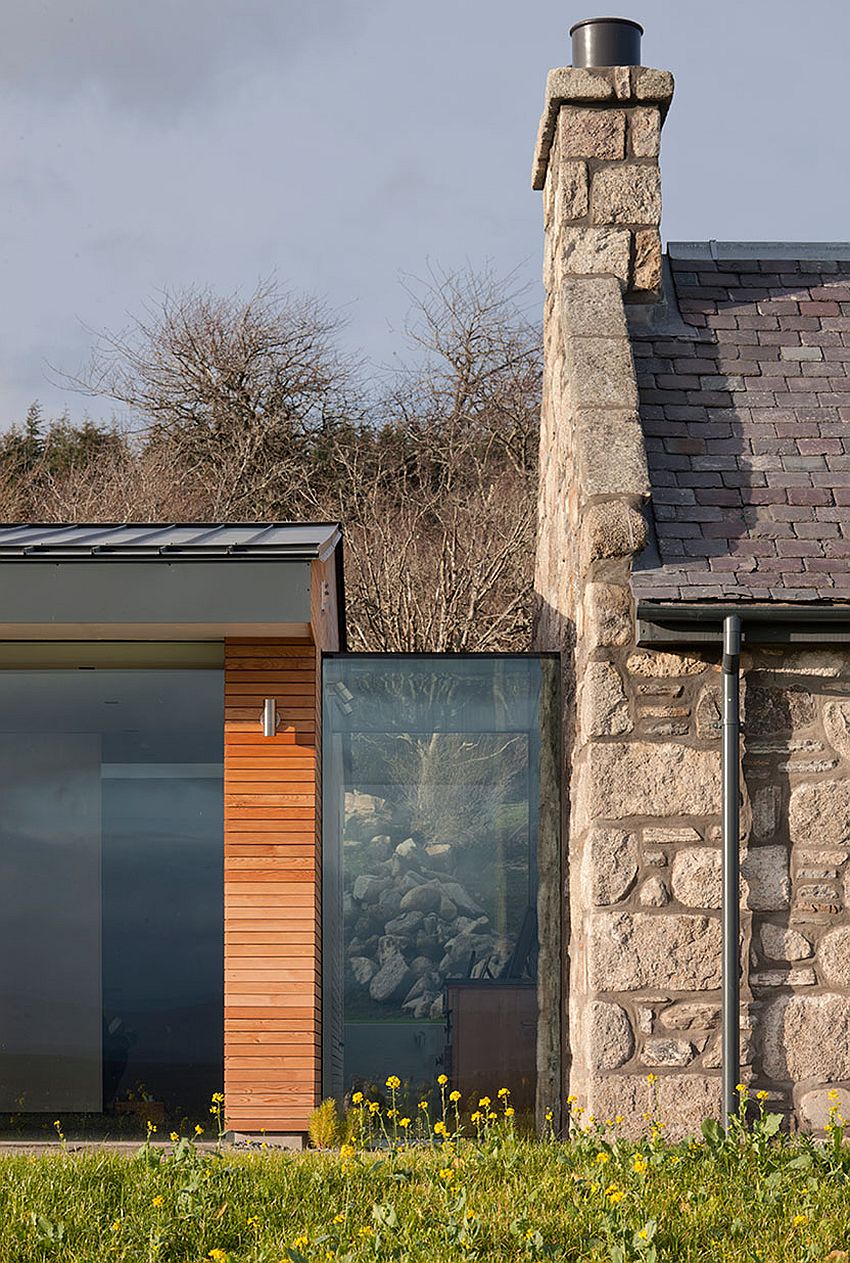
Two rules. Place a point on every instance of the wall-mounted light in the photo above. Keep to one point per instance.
(271, 719)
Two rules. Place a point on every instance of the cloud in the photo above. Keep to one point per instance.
(158, 56)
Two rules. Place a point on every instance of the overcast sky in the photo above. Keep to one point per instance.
(341, 144)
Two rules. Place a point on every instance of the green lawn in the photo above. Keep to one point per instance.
(492, 1196)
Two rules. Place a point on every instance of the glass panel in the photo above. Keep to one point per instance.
(431, 784)
(50, 843)
(111, 853)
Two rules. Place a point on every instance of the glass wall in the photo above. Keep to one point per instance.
(431, 776)
(111, 880)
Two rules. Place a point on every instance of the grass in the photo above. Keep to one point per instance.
(489, 1194)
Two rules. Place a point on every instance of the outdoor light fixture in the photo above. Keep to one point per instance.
(271, 718)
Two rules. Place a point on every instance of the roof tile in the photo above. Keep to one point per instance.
(748, 433)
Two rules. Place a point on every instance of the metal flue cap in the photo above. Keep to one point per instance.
(606, 42)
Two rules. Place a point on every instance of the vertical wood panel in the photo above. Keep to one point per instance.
(272, 885)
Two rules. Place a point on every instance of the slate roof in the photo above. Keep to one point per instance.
(745, 405)
(170, 542)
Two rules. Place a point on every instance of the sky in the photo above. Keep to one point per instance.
(342, 146)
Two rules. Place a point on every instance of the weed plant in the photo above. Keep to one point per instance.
(459, 1186)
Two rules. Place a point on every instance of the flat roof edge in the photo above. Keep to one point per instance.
(131, 541)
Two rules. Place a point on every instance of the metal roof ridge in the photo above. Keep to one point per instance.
(812, 251)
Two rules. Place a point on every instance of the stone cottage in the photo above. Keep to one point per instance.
(695, 458)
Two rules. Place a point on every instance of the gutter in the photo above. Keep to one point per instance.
(661, 623)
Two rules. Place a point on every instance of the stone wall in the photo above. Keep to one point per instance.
(797, 770)
(641, 727)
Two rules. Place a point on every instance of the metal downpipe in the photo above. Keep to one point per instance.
(731, 864)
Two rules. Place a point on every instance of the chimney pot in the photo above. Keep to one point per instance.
(606, 42)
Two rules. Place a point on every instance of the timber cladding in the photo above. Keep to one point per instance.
(272, 904)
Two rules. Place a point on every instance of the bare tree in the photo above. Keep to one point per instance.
(245, 408)
(243, 393)
(440, 499)
(124, 485)
(451, 576)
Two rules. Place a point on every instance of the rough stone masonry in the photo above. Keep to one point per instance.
(641, 727)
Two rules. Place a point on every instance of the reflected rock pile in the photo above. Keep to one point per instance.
(410, 923)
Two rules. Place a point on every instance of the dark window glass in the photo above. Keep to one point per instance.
(111, 938)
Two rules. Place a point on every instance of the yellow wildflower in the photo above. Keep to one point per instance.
(442, 1079)
(800, 1220)
(159, 1200)
(252, 1221)
(300, 1242)
(393, 1082)
(447, 1175)
(614, 1194)
(174, 1137)
(423, 1105)
(367, 1232)
(741, 1088)
(492, 1115)
(357, 1099)
(477, 1116)
(199, 1131)
(115, 1225)
(651, 1078)
(404, 1122)
(339, 1219)
(639, 1164)
(346, 1152)
(218, 1098)
(374, 1107)
(440, 1129)
(762, 1095)
(454, 1096)
(572, 1099)
(484, 1103)
(509, 1111)
(392, 1113)
(603, 1157)
(503, 1092)
(643, 1234)
(218, 1255)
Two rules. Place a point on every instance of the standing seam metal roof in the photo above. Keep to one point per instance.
(170, 541)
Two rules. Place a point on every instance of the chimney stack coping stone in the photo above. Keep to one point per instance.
(624, 86)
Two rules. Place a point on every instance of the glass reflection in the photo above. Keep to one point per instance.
(431, 782)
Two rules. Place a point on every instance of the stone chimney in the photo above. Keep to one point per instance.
(596, 161)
